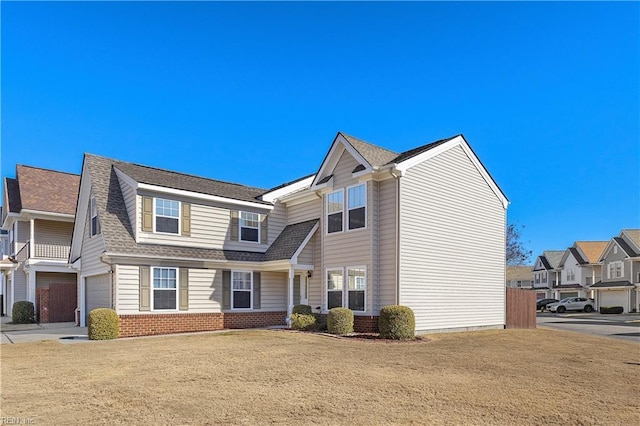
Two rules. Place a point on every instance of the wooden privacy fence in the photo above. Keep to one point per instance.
(521, 308)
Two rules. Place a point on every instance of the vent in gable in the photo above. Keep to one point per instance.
(358, 168)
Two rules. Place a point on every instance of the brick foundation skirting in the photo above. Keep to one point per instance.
(362, 324)
(42, 305)
(154, 324)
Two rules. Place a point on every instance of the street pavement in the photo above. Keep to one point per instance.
(624, 326)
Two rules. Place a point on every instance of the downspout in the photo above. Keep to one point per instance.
(397, 248)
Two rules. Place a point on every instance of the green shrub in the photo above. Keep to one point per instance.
(321, 322)
(397, 322)
(302, 309)
(23, 313)
(104, 324)
(340, 321)
(611, 309)
(302, 322)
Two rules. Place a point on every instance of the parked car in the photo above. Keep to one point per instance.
(572, 304)
(541, 304)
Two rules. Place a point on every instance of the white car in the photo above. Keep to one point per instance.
(572, 304)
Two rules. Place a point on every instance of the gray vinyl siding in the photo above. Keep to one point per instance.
(304, 211)
(23, 233)
(386, 243)
(43, 279)
(348, 248)
(98, 293)
(452, 245)
(52, 238)
(306, 256)
(273, 291)
(614, 257)
(19, 285)
(210, 227)
(128, 289)
(129, 195)
(316, 282)
(205, 290)
(92, 249)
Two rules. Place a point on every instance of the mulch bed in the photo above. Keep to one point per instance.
(363, 337)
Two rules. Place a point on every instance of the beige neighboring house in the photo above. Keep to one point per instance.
(620, 282)
(38, 214)
(172, 252)
(580, 268)
(519, 276)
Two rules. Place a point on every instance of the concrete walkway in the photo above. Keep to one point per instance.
(64, 332)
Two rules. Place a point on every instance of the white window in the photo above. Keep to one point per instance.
(357, 202)
(335, 208)
(616, 269)
(537, 278)
(95, 224)
(544, 277)
(615, 249)
(350, 294)
(249, 227)
(241, 289)
(165, 289)
(571, 275)
(167, 216)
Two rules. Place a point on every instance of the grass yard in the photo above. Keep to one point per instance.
(256, 377)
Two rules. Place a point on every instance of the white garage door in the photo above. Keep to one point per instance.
(614, 298)
(98, 293)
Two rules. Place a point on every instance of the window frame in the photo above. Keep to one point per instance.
(249, 227)
(348, 210)
(155, 216)
(571, 274)
(250, 290)
(153, 289)
(93, 229)
(342, 227)
(344, 271)
(613, 269)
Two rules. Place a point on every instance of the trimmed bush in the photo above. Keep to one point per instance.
(23, 313)
(301, 309)
(611, 309)
(303, 321)
(321, 322)
(340, 321)
(104, 324)
(397, 322)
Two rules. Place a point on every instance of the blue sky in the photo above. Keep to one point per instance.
(547, 94)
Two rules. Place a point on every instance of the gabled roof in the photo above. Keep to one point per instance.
(519, 273)
(42, 190)
(633, 235)
(592, 250)
(551, 258)
(373, 154)
(419, 150)
(626, 247)
(290, 240)
(576, 254)
(605, 284)
(185, 182)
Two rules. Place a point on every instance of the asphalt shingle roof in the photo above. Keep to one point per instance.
(592, 249)
(577, 256)
(553, 257)
(626, 247)
(375, 155)
(13, 196)
(47, 190)
(419, 150)
(289, 240)
(600, 284)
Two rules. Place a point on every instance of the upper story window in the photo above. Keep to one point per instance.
(335, 207)
(357, 201)
(167, 216)
(571, 275)
(165, 289)
(249, 227)
(544, 277)
(95, 223)
(615, 270)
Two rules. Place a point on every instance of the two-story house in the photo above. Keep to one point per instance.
(38, 215)
(546, 274)
(519, 276)
(620, 283)
(172, 252)
(580, 268)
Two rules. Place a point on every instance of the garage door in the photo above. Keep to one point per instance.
(614, 298)
(98, 293)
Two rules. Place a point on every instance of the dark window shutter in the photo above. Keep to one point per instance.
(184, 289)
(226, 289)
(264, 236)
(147, 214)
(186, 219)
(256, 290)
(233, 233)
(145, 288)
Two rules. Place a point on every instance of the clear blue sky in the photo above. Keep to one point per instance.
(547, 94)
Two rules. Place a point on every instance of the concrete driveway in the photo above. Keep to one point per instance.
(64, 332)
(626, 326)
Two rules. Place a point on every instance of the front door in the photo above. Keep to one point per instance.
(300, 290)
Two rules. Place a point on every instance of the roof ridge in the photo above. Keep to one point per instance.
(346, 135)
(47, 169)
(419, 149)
(176, 172)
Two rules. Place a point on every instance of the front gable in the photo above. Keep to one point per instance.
(340, 151)
(538, 266)
(614, 252)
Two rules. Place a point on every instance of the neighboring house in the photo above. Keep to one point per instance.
(38, 214)
(546, 274)
(579, 269)
(172, 252)
(519, 276)
(620, 283)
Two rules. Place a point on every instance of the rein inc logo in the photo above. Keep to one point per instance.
(9, 420)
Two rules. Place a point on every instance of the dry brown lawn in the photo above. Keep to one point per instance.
(509, 377)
